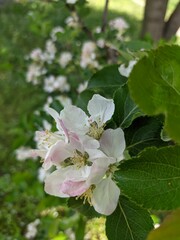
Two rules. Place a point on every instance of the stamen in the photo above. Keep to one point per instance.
(95, 131)
(87, 195)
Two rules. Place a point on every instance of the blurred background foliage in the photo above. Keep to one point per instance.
(25, 25)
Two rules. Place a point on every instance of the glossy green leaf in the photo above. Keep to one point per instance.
(144, 132)
(155, 86)
(128, 222)
(153, 178)
(83, 99)
(125, 109)
(169, 229)
(107, 79)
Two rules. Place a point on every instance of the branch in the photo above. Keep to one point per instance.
(104, 17)
(85, 29)
(173, 23)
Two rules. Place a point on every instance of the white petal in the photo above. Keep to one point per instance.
(98, 170)
(125, 71)
(53, 182)
(94, 154)
(89, 142)
(105, 196)
(58, 153)
(100, 109)
(56, 117)
(75, 119)
(112, 143)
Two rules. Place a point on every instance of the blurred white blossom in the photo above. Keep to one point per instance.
(101, 43)
(64, 59)
(53, 83)
(34, 72)
(24, 153)
(31, 230)
(56, 30)
(118, 24)
(50, 52)
(82, 87)
(125, 71)
(72, 21)
(37, 55)
(71, 1)
(88, 55)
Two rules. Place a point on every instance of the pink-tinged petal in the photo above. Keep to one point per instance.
(112, 143)
(98, 170)
(73, 189)
(58, 153)
(100, 109)
(105, 197)
(53, 183)
(75, 119)
(56, 117)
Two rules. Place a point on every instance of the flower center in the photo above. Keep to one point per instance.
(79, 160)
(95, 131)
(87, 195)
(112, 168)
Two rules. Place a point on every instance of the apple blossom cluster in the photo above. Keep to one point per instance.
(82, 155)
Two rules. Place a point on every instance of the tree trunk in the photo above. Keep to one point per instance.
(172, 25)
(153, 22)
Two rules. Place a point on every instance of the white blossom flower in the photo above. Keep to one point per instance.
(76, 120)
(88, 55)
(101, 43)
(84, 154)
(98, 29)
(37, 55)
(50, 51)
(24, 153)
(93, 182)
(64, 59)
(58, 83)
(34, 72)
(72, 21)
(31, 230)
(71, 1)
(82, 87)
(118, 24)
(125, 71)
(56, 30)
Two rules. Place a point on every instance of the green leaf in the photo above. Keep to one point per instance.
(153, 178)
(125, 109)
(128, 222)
(154, 85)
(137, 45)
(169, 229)
(83, 99)
(108, 80)
(144, 132)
